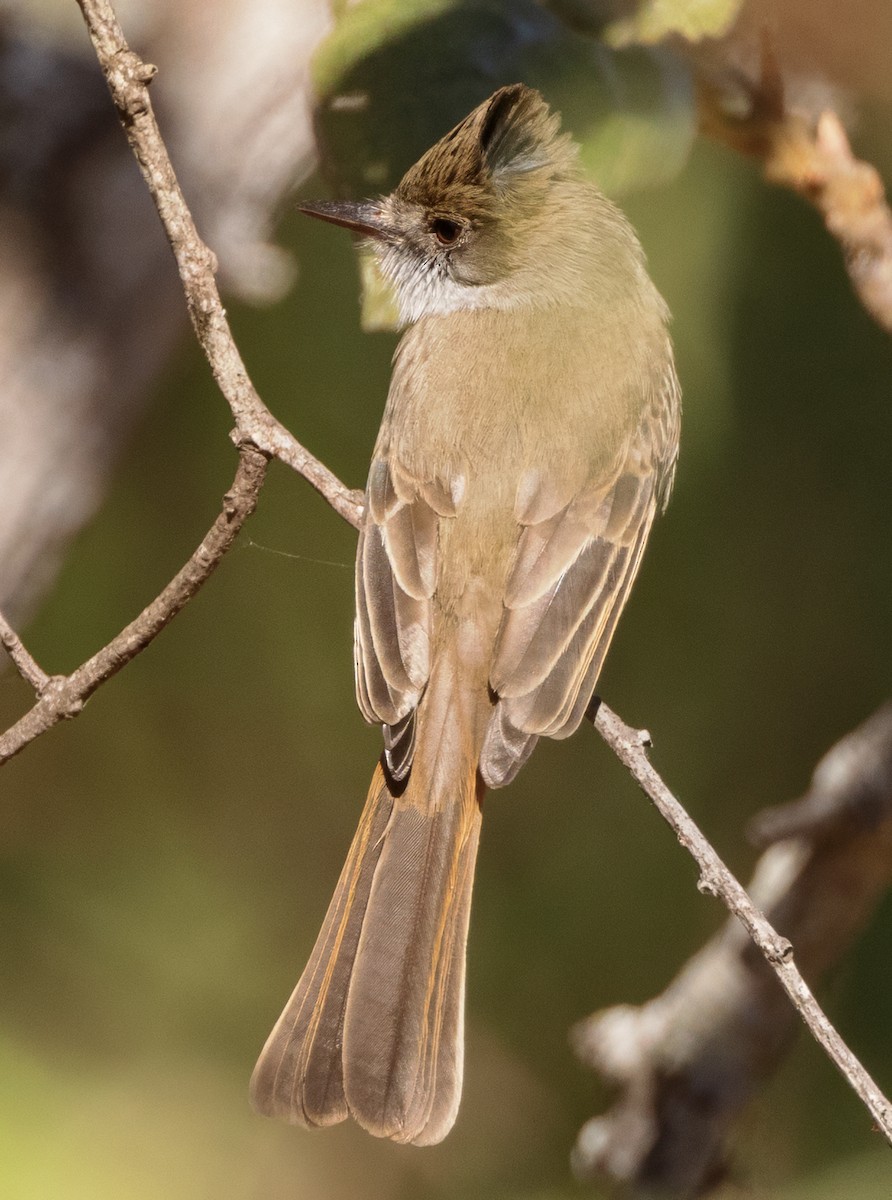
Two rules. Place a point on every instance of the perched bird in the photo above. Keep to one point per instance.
(529, 438)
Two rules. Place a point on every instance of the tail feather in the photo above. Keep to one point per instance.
(443, 1079)
(374, 1028)
(403, 1044)
(298, 1076)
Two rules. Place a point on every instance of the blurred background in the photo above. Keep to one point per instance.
(168, 857)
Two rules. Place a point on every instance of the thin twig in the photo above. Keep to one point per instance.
(26, 666)
(63, 696)
(629, 745)
(685, 1064)
(258, 435)
(128, 78)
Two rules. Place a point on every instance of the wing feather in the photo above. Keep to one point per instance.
(378, 585)
(571, 578)
(410, 535)
(534, 638)
(377, 700)
(396, 576)
(544, 552)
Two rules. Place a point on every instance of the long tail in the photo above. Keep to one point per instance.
(375, 1027)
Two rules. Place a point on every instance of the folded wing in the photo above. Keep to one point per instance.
(396, 578)
(572, 574)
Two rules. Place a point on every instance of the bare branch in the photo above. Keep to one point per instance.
(128, 78)
(26, 666)
(62, 696)
(258, 435)
(814, 159)
(688, 1061)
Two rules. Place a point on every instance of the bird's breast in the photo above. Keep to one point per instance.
(490, 396)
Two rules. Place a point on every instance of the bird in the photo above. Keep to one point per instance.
(529, 438)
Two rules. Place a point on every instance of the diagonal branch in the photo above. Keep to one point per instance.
(608, 1145)
(61, 696)
(128, 78)
(258, 435)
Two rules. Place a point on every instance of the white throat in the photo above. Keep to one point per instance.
(424, 288)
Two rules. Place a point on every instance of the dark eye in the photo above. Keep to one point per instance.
(445, 231)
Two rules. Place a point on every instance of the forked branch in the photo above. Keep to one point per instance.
(63, 696)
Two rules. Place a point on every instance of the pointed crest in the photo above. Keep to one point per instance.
(513, 133)
(520, 133)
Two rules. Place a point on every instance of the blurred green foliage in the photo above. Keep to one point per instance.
(654, 20)
(167, 858)
(393, 77)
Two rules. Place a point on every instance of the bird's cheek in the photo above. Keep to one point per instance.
(471, 270)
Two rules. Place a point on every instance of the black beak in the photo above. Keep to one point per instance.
(362, 216)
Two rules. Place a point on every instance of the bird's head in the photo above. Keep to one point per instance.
(494, 215)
